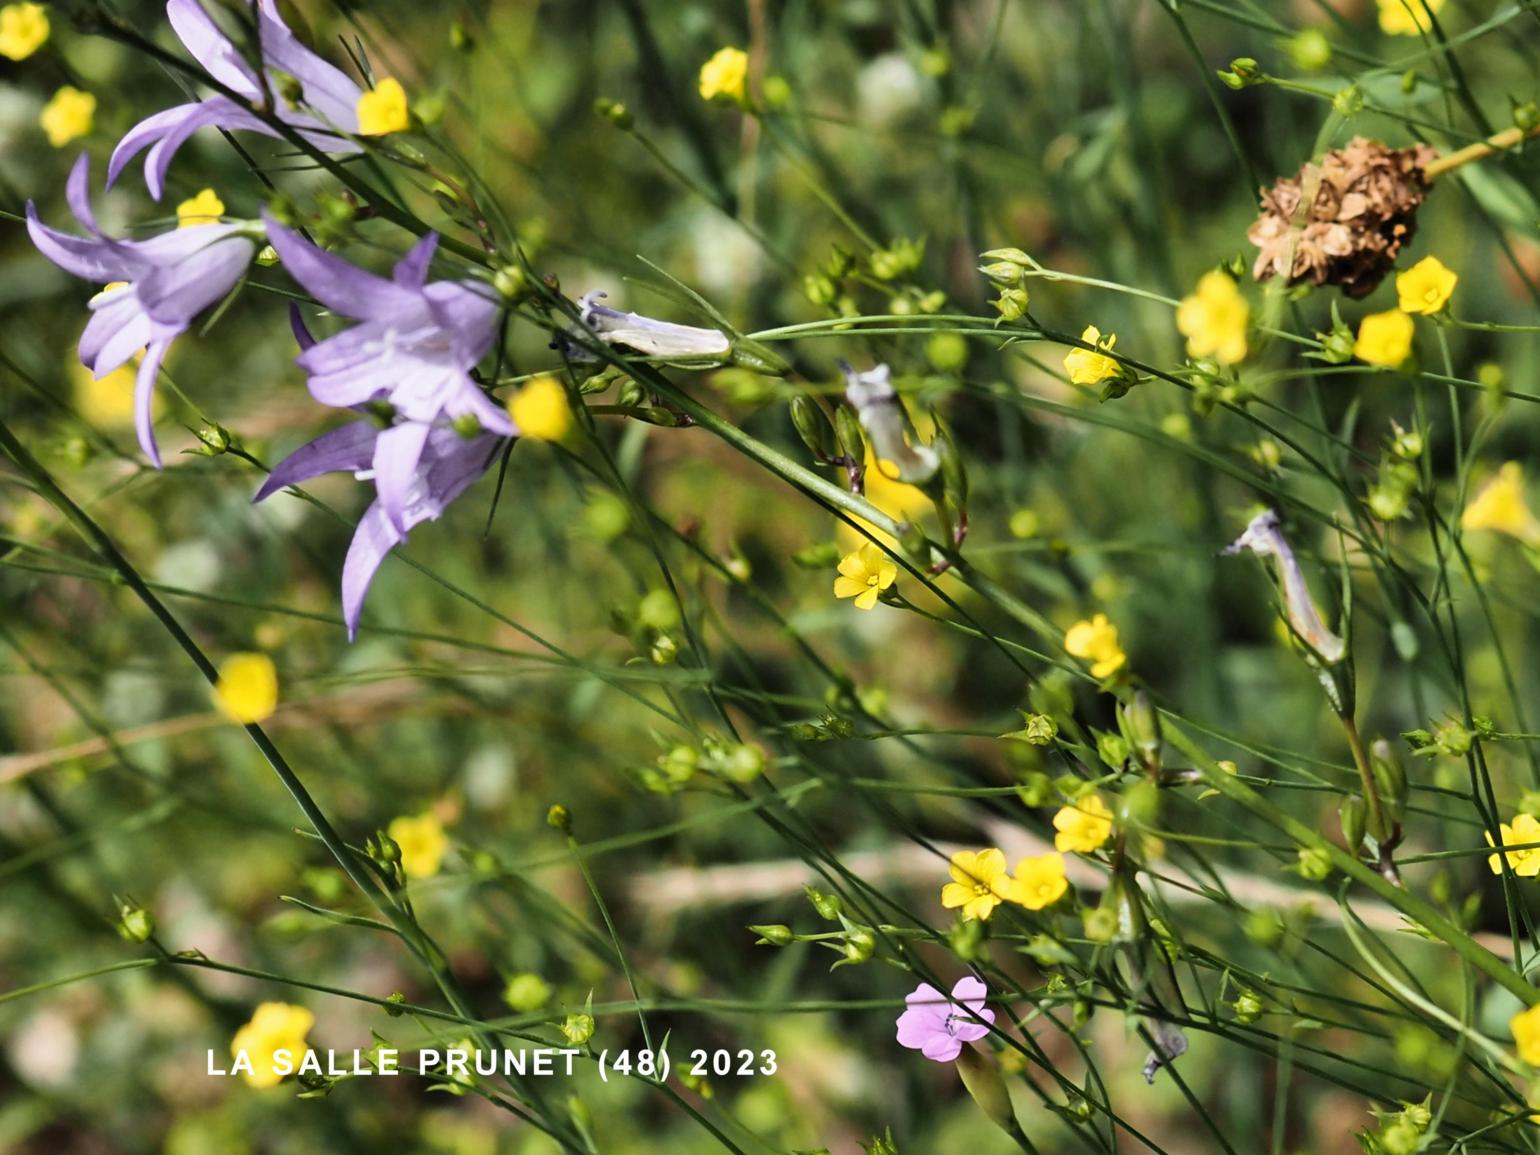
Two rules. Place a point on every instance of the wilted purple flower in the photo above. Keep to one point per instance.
(646, 335)
(1264, 537)
(872, 396)
(937, 1027)
(446, 467)
(412, 350)
(154, 288)
(324, 106)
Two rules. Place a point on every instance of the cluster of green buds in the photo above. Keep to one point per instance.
(678, 767)
(898, 260)
(853, 942)
(1214, 387)
(1007, 272)
(1396, 484)
(1400, 1132)
(1450, 738)
(833, 441)
(828, 287)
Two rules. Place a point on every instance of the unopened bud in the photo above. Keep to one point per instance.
(559, 818)
(774, 935)
(812, 425)
(578, 1028)
(1352, 816)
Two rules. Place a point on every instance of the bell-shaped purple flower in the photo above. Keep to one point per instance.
(295, 85)
(937, 1027)
(445, 468)
(154, 287)
(412, 350)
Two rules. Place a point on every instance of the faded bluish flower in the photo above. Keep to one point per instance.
(446, 466)
(937, 1027)
(412, 351)
(1264, 538)
(1170, 1044)
(652, 337)
(296, 86)
(872, 396)
(154, 288)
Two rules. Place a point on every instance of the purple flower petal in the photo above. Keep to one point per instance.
(396, 454)
(942, 1048)
(411, 271)
(211, 48)
(970, 989)
(174, 294)
(349, 448)
(301, 332)
(338, 284)
(92, 260)
(116, 332)
(325, 88)
(374, 538)
(144, 398)
(919, 1024)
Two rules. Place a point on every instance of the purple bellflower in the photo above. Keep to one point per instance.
(324, 107)
(410, 355)
(938, 1027)
(446, 467)
(154, 288)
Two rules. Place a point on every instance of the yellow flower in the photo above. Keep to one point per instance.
(274, 1027)
(23, 30)
(1500, 506)
(422, 842)
(106, 402)
(1426, 286)
(383, 110)
(203, 209)
(725, 74)
(1384, 339)
(1213, 319)
(1039, 881)
(1097, 642)
(1526, 1034)
(1087, 368)
(1407, 17)
(1083, 826)
(247, 690)
(1524, 863)
(863, 575)
(979, 883)
(67, 116)
(541, 410)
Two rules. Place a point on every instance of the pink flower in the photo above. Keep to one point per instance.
(937, 1027)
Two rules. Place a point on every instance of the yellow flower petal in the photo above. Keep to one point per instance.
(725, 74)
(247, 690)
(1425, 287)
(422, 842)
(1385, 339)
(541, 410)
(23, 30)
(203, 209)
(68, 115)
(383, 109)
(1213, 318)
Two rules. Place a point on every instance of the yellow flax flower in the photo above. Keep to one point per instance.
(107, 401)
(725, 74)
(1425, 287)
(383, 109)
(1500, 506)
(247, 690)
(863, 575)
(1385, 339)
(1087, 368)
(1040, 881)
(1407, 17)
(1526, 1035)
(540, 410)
(1214, 318)
(979, 883)
(1083, 826)
(273, 1028)
(67, 115)
(23, 30)
(422, 842)
(1524, 863)
(1096, 641)
(204, 209)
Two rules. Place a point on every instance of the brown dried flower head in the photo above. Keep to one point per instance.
(1343, 220)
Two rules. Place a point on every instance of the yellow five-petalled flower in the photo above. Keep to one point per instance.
(864, 574)
(1213, 318)
(1097, 642)
(1086, 367)
(274, 1027)
(1082, 826)
(980, 882)
(1425, 287)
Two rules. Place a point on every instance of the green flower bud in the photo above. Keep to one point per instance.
(1248, 1007)
(852, 441)
(742, 764)
(981, 1077)
(394, 1001)
(578, 1028)
(1013, 304)
(616, 113)
(1314, 864)
(1035, 789)
(134, 922)
(559, 818)
(774, 935)
(1242, 73)
(1389, 777)
(1352, 815)
(860, 943)
(812, 425)
(526, 992)
(828, 906)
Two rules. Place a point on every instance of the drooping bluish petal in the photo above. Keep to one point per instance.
(468, 314)
(298, 327)
(372, 540)
(396, 455)
(324, 87)
(144, 397)
(166, 132)
(90, 259)
(348, 449)
(211, 48)
(338, 284)
(454, 465)
(1264, 537)
(173, 294)
(118, 329)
